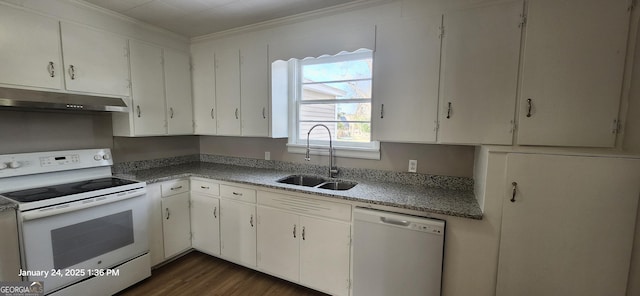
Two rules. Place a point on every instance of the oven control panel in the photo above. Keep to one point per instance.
(44, 162)
(59, 160)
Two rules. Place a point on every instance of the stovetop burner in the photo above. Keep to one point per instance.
(42, 193)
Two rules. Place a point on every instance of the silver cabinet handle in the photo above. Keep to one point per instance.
(51, 69)
(237, 117)
(382, 111)
(171, 112)
(251, 220)
(449, 111)
(215, 212)
(205, 187)
(529, 106)
(168, 213)
(303, 233)
(176, 188)
(237, 193)
(294, 231)
(138, 110)
(72, 72)
(513, 192)
(264, 114)
(212, 117)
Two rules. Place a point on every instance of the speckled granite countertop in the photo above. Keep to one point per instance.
(6, 205)
(413, 197)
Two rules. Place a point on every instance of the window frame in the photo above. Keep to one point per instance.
(365, 150)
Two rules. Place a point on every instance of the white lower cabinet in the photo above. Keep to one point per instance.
(156, 237)
(311, 251)
(238, 225)
(205, 217)
(568, 225)
(176, 223)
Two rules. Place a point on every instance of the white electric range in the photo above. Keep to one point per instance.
(82, 231)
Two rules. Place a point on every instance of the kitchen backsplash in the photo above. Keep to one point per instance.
(447, 182)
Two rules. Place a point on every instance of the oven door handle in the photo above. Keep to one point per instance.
(81, 204)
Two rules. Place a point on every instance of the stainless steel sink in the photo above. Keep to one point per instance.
(338, 185)
(317, 182)
(309, 181)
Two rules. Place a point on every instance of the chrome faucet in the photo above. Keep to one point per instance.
(332, 170)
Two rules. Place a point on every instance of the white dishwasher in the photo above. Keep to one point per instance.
(395, 254)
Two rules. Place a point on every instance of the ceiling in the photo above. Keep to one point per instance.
(200, 17)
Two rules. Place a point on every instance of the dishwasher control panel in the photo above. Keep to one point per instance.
(426, 228)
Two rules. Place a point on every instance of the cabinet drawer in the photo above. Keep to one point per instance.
(174, 187)
(238, 193)
(205, 187)
(307, 206)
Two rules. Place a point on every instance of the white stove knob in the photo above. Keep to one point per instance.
(106, 157)
(97, 157)
(14, 164)
(3, 165)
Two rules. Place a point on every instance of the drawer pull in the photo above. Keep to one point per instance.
(215, 212)
(176, 188)
(205, 187)
(168, 213)
(303, 233)
(294, 231)
(237, 193)
(513, 192)
(251, 220)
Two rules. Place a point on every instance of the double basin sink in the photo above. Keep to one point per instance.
(317, 182)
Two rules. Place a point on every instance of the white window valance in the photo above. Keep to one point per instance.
(306, 41)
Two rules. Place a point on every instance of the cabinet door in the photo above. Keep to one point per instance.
(480, 56)
(205, 223)
(156, 237)
(227, 56)
(570, 228)
(254, 77)
(9, 247)
(324, 255)
(177, 83)
(176, 224)
(147, 89)
(31, 47)
(405, 88)
(204, 89)
(95, 61)
(278, 247)
(572, 72)
(238, 232)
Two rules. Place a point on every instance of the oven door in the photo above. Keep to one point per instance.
(67, 243)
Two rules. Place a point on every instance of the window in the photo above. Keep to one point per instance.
(334, 91)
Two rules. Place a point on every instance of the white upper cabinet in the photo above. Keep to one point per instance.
(406, 69)
(479, 72)
(177, 83)
(30, 49)
(204, 88)
(147, 89)
(573, 64)
(227, 71)
(94, 61)
(254, 83)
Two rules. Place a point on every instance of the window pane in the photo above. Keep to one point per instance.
(336, 71)
(340, 131)
(336, 91)
(337, 112)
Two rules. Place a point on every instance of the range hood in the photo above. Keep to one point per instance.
(34, 99)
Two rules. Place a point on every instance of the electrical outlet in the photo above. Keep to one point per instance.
(413, 165)
(267, 155)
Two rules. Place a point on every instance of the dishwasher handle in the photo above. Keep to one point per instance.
(386, 220)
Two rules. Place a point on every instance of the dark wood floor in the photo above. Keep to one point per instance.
(200, 274)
